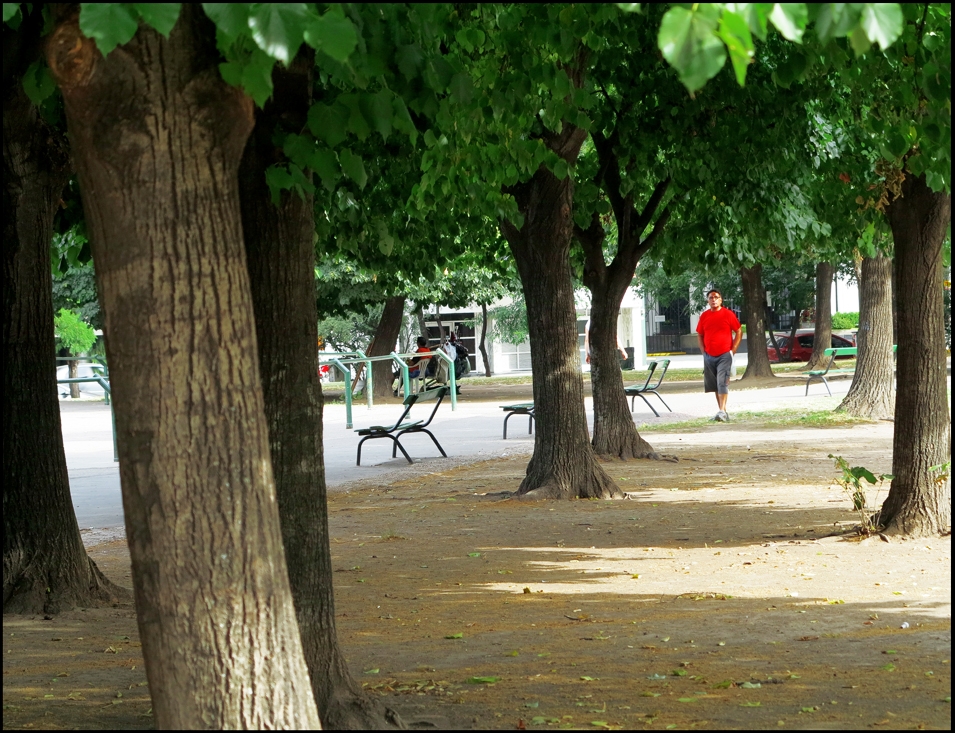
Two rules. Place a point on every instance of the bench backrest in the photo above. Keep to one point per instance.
(850, 351)
(429, 394)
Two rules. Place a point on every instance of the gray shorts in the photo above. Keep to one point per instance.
(716, 372)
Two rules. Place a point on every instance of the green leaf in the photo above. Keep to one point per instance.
(353, 167)
(376, 670)
(687, 41)
(329, 123)
(790, 20)
(378, 108)
(474, 554)
(357, 124)
(483, 680)
(859, 41)
(279, 28)
(752, 704)
(386, 243)
(882, 23)
(333, 34)
(257, 77)
(161, 16)
(231, 19)
(734, 31)
(561, 169)
(402, 119)
(9, 10)
(109, 24)
(324, 162)
(38, 83)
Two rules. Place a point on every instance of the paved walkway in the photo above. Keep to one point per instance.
(472, 432)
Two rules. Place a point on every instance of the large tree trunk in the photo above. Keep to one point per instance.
(822, 337)
(615, 434)
(564, 464)
(281, 262)
(45, 567)
(383, 343)
(754, 300)
(482, 347)
(157, 138)
(918, 504)
(870, 395)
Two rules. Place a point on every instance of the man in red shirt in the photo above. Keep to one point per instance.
(719, 333)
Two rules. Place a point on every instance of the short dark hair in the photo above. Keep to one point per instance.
(422, 341)
(714, 290)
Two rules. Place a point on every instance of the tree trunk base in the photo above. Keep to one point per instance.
(630, 448)
(592, 484)
(350, 710)
(882, 408)
(928, 514)
(26, 590)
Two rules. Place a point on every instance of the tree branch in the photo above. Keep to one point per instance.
(650, 209)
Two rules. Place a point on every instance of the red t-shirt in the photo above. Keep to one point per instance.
(716, 328)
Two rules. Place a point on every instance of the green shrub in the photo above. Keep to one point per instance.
(72, 332)
(844, 321)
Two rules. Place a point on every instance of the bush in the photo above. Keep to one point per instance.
(845, 321)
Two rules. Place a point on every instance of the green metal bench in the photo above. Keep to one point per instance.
(833, 354)
(635, 391)
(402, 428)
(522, 408)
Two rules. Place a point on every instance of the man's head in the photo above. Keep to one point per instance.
(422, 341)
(715, 299)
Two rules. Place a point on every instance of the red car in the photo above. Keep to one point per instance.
(803, 348)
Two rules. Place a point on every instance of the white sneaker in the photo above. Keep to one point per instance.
(721, 416)
(726, 417)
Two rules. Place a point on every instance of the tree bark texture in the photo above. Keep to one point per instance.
(157, 138)
(482, 347)
(918, 503)
(281, 262)
(871, 394)
(564, 465)
(754, 300)
(383, 343)
(45, 567)
(822, 337)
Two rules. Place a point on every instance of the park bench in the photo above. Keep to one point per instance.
(833, 354)
(635, 391)
(402, 428)
(522, 408)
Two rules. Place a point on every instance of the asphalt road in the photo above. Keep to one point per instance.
(472, 432)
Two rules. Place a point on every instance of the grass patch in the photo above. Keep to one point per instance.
(782, 418)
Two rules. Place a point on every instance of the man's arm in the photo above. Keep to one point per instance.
(699, 339)
(737, 337)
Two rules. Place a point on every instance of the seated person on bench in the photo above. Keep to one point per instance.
(415, 362)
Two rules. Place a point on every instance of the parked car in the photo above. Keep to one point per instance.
(803, 348)
(87, 389)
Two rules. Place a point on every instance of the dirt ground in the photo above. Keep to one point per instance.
(722, 593)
